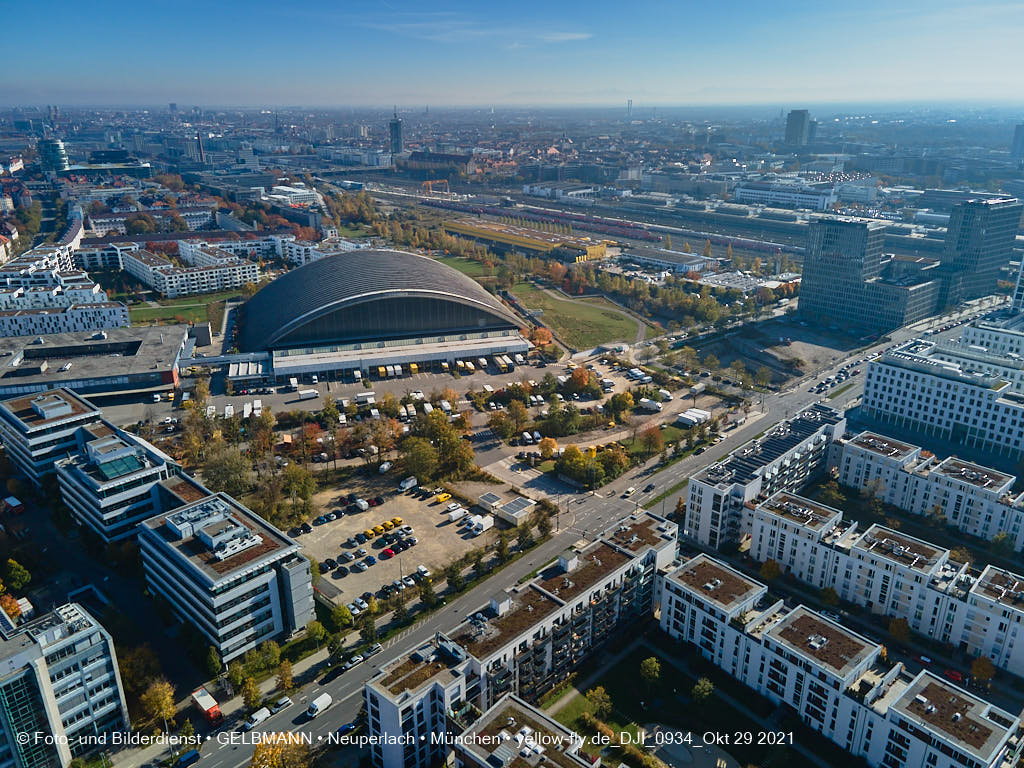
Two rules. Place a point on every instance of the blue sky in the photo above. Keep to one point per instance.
(379, 52)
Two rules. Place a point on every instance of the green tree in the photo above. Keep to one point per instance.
(17, 576)
(524, 537)
(315, 630)
(600, 702)
(226, 469)
(236, 674)
(501, 425)
(158, 702)
(829, 596)
(368, 629)
(285, 676)
(187, 730)
(501, 548)
(650, 670)
(519, 415)
(453, 575)
(770, 570)
(213, 662)
(270, 653)
(982, 669)
(420, 457)
(251, 695)
(900, 630)
(711, 362)
(544, 525)
(763, 376)
(341, 616)
(702, 690)
(1001, 544)
(427, 595)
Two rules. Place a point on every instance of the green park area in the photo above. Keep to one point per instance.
(580, 324)
(468, 267)
(186, 309)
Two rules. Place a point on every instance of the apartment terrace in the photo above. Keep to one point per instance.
(905, 550)
(511, 717)
(825, 642)
(410, 674)
(594, 564)
(716, 582)
(637, 535)
(883, 446)
(529, 607)
(1002, 586)
(955, 714)
(797, 509)
(976, 475)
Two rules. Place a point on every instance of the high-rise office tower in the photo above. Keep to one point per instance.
(979, 242)
(798, 127)
(841, 255)
(395, 130)
(52, 155)
(1017, 148)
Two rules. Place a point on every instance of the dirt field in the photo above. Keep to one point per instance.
(439, 541)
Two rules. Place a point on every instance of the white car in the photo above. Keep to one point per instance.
(628, 492)
(453, 506)
(385, 467)
(283, 703)
(416, 394)
(354, 609)
(423, 571)
(257, 717)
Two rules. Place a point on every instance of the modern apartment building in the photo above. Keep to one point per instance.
(301, 252)
(161, 275)
(69, 319)
(523, 643)
(61, 685)
(979, 243)
(922, 387)
(896, 575)
(235, 578)
(1000, 336)
(847, 283)
(111, 482)
(977, 500)
(816, 198)
(40, 428)
(785, 458)
(839, 682)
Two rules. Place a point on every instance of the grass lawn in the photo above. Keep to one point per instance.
(666, 493)
(579, 324)
(840, 391)
(150, 315)
(670, 434)
(468, 267)
(353, 231)
(199, 298)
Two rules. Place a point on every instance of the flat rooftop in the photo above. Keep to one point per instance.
(636, 535)
(716, 582)
(882, 445)
(218, 520)
(975, 474)
(515, 735)
(594, 563)
(902, 549)
(1003, 586)
(824, 641)
(50, 407)
(95, 357)
(955, 715)
(184, 488)
(420, 668)
(529, 606)
(797, 509)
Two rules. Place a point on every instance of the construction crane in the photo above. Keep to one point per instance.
(428, 186)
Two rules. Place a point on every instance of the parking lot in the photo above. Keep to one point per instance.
(438, 540)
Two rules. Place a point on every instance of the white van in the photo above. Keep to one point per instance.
(318, 705)
(256, 718)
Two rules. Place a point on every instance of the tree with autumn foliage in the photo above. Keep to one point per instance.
(283, 749)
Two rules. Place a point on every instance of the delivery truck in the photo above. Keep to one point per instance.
(208, 705)
(319, 705)
(309, 394)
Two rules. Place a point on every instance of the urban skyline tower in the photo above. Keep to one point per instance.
(979, 243)
(798, 127)
(395, 132)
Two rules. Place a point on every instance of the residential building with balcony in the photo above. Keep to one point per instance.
(785, 458)
(235, 578)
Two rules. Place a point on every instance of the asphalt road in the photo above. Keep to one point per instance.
(583, 515)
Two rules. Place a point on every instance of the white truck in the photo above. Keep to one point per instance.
(482, 524)
(229, 411)
(408, 483)
(646, 404)
(428, 408)
(293, 384)
(446, 406)
(309, 394)
(319, 705)
(364, 398)
(456, 514)
(665, 395)
(257, 408)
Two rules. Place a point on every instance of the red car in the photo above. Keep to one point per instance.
(952, 674)
(387, 554)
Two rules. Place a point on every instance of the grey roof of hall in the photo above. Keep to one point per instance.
(351, 277)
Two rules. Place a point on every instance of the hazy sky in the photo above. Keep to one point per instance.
(339, 52)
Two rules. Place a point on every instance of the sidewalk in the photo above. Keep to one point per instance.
(304, 672)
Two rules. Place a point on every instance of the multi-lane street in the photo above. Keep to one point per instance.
(582, 515)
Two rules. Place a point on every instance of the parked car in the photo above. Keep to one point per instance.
(952, 674)
(283, 703)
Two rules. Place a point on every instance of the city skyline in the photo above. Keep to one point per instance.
(460, 54)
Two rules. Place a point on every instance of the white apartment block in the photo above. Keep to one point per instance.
(838, 681)
(895, 575)
(523, 643)
(785, 458)
(60, 682)
(38, 429)
(111, 483)
(101, 224)
(251, 248)
(301, 252)
(77, 317)
(911, 388)
(293, 195)
(788, 195)
(1000, 336)
(235, 578)
(977, 500)
(162, 276)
